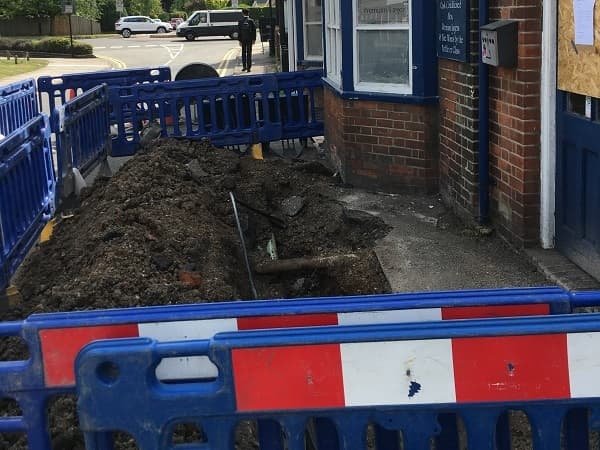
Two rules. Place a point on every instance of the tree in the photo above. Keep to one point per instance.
(108, 14)
(151, 8)
(88, 9)
(177, 5)
(36, 9)
(193, 5)
(216, 4)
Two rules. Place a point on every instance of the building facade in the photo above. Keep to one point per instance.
(416, 101)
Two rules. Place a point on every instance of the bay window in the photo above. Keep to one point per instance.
(382, 50)
(333, 36)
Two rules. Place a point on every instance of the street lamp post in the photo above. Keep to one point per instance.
(68, 7)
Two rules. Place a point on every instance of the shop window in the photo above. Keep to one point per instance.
(382, 50)
(333, 37)
(313, 31)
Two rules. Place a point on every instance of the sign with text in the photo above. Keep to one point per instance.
(383, 12)
(119, 5)
(453, 29)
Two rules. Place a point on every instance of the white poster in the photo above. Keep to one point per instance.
(583, 11)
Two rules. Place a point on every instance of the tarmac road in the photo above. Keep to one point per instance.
(167, 50)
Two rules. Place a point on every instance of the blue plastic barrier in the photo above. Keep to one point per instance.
(225, 110)
(54, 340)
(18, 105)
(82, 135)
(408, 379)
(53, 91)
(27, 189)
(301, 103)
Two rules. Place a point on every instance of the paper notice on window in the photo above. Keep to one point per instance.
(584, 21)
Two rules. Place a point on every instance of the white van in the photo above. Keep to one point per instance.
(222, 22)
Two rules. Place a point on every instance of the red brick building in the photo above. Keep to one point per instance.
(407, 109)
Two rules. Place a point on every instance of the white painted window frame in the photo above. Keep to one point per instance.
(548, 124)
(333, 41)
(305, 25)
(388, 88)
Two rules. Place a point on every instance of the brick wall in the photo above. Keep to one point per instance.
(459, 125)
(515, 127)
(380, 145)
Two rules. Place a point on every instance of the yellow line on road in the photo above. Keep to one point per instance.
(114, 62)
(231, 55)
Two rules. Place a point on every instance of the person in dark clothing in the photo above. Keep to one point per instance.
(247, 38)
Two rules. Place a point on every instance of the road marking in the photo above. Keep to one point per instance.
(177, 46)
(172, 54)
(114, 62)
(229, 56)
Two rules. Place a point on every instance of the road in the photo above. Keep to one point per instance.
(169, 50)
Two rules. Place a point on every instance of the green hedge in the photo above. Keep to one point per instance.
(58, 45)
(258, 12)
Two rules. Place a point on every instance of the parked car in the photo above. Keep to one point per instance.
(175, 21)
(126, 26)
(223, 22)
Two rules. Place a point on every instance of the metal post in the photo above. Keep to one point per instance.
(271, 31)
(484, 136)
(71, 35)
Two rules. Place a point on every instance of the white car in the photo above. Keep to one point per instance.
(126, 26)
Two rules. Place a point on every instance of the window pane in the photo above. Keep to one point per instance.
(383, 56)
(314, 40)
(312, 10)
(383, 11)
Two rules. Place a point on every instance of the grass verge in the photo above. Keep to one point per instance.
(8, 68)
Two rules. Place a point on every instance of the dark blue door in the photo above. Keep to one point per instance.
(578, 181)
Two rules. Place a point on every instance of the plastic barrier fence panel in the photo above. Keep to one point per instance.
(82, 135)
(57, 90)
(228, 111)
(54, 340)
(18, 105)
(27, 189)
(411, 380)
(301, 103)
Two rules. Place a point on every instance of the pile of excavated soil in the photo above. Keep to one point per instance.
(162, 231)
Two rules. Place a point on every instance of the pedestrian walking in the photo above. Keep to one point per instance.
(247, 38)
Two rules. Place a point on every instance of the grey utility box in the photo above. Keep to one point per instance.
(499, 43)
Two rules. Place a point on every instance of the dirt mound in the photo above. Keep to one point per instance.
(162, 231)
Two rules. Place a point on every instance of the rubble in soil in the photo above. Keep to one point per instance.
(162, 231)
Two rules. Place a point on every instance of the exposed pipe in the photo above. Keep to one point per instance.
(484, 125)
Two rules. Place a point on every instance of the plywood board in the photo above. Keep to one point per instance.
(578, 66)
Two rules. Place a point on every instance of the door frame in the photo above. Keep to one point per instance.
(548, 123)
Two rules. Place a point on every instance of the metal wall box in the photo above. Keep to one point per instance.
(499, 43)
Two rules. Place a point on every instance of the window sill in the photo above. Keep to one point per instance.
(380, 96)
(310, 62)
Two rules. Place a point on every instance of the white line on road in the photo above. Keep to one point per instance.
(133, 46)
(98, 48)
(116, 46)
(172, 54)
